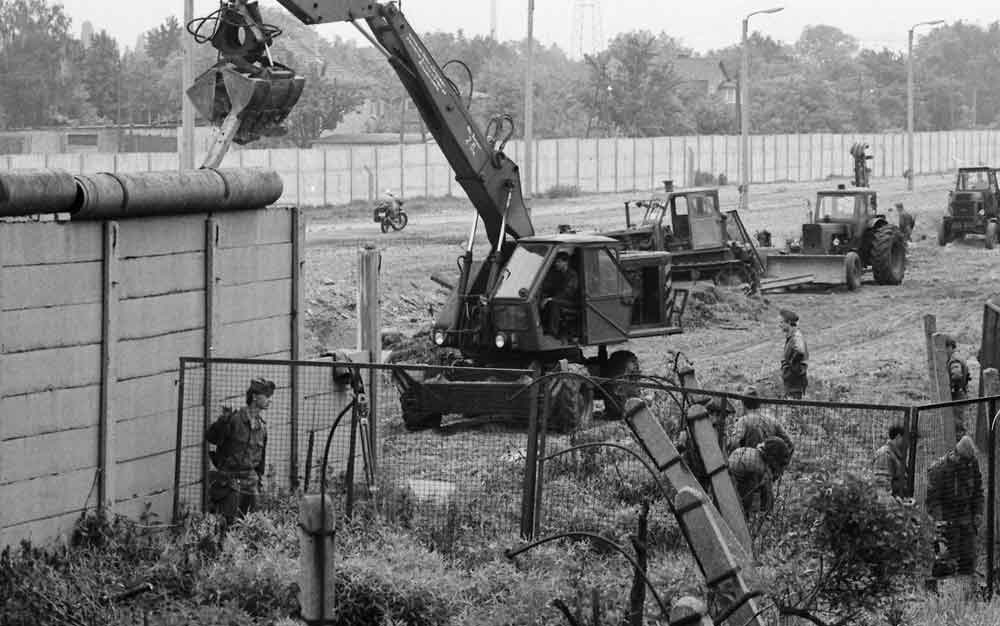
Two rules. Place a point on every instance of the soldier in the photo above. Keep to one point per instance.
(240, 437)
(906, 221)
(795, 357)
(756, 425)
(889, 463)
(560, 291)
(752, 471)
(955, 501)
(958, 371)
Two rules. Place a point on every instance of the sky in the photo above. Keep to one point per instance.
(702, 25)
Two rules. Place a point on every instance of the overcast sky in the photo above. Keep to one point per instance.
(699, 24)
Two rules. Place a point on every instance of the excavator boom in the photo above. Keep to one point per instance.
(491, 180)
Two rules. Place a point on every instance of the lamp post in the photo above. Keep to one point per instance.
(745, 111)
(529, 105)
(909, 100)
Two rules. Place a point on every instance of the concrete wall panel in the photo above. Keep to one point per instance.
(40, 531)
(161, 235)
(172, 273)
(29, 286)
(51, 453)
(158, 315)
(50, 242)
(258, 300)
(155, 355)
(57, 368)
(147, 395)
(45, 496)
(238, 266)
(49, 411)
(241, 229)
(53, 327)
(265, 336)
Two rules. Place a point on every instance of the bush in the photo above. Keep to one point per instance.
(562, 191)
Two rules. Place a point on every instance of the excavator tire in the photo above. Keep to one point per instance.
(888, 255)
(572, 400)
(623, 365)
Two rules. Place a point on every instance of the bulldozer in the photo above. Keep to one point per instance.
(705, 242)
(499, 315)
(973, 207)
(846, 236)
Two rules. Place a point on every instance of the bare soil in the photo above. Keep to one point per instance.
(866, 345)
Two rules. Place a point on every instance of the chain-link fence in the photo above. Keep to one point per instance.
(405, 444)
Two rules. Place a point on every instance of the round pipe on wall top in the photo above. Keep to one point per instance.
(30, 192)
(111, 196)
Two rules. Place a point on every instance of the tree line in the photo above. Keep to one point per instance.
(823, 82)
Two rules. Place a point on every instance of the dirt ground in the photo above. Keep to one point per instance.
(866, 345)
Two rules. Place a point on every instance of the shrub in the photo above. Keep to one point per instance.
(562, 191)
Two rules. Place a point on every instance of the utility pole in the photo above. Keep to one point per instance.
(186, 152)
(909, 101)
(745, 110)
(529, 104)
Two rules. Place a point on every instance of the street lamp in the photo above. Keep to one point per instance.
(745, 111)
(909, 100)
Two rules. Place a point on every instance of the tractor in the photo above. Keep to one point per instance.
(973, 207)
(846, 235)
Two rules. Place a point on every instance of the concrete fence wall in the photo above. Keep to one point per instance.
(93, 319)
(341, 174)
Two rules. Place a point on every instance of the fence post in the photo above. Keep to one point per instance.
(298, 228)
(616, 164)
(208, 349)
(370, 333)
(182, 371)
(577, 163)
(991, 385)
(109, 371)
(597, 165)
(531, 477)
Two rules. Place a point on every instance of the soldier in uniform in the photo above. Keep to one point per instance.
(240, 438)
(955, 501)
(958, 371)
(560, 291)
(753, 470)
(889, 463)
(795, 357)
(906, 221)
(756, 425)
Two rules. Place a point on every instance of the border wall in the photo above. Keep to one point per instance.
(342, 174)
(93, 319)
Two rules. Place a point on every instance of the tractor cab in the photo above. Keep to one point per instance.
(973, 206)
(840, 220)
(686, 219)
(558, 293)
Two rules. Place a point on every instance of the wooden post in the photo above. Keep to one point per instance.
(370, 333)
(317, 596)
(208, 350)
(109, 370)
(298, 260)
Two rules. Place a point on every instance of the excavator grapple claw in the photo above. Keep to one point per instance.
(260, 97)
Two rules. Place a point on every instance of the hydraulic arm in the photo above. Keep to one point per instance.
(490, 179)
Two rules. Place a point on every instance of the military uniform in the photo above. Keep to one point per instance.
(241, 442)
(958, 374)
(890, 470)
(752, 479)
(955, 499)
(794, 364)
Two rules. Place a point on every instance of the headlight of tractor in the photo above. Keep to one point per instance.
(500, 340)
(836, 242)
(981, 212)
(438, 337)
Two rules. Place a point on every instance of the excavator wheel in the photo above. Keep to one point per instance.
(888, 255)
(623, 365)
(572, 400)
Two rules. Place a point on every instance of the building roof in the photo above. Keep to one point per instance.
(701, 69)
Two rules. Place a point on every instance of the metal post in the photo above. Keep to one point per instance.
(529, 101)
(991, 503)
(745, 111)
(187, 109)
(909, 99)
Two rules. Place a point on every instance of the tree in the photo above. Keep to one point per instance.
(100, 70)
(321, 106)
(164, 40)
(35, 52)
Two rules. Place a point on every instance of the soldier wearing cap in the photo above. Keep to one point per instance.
(906, 221)
(794, 359)
(955, 501)
(240, 438)
(958, 371)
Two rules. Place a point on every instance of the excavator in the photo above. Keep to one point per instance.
(498, 314)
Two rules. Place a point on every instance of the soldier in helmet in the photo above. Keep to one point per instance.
(240, 440)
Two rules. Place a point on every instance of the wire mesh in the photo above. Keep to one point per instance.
(464, 477)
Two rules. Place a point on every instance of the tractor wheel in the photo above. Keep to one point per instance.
(852, 270)
(572, 400)
(991, 235)
(622, 365)
(888, 255)
(943, 235)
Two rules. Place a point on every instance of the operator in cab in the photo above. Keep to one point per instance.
(560, 292)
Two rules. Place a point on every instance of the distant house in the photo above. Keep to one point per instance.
(707, 75)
